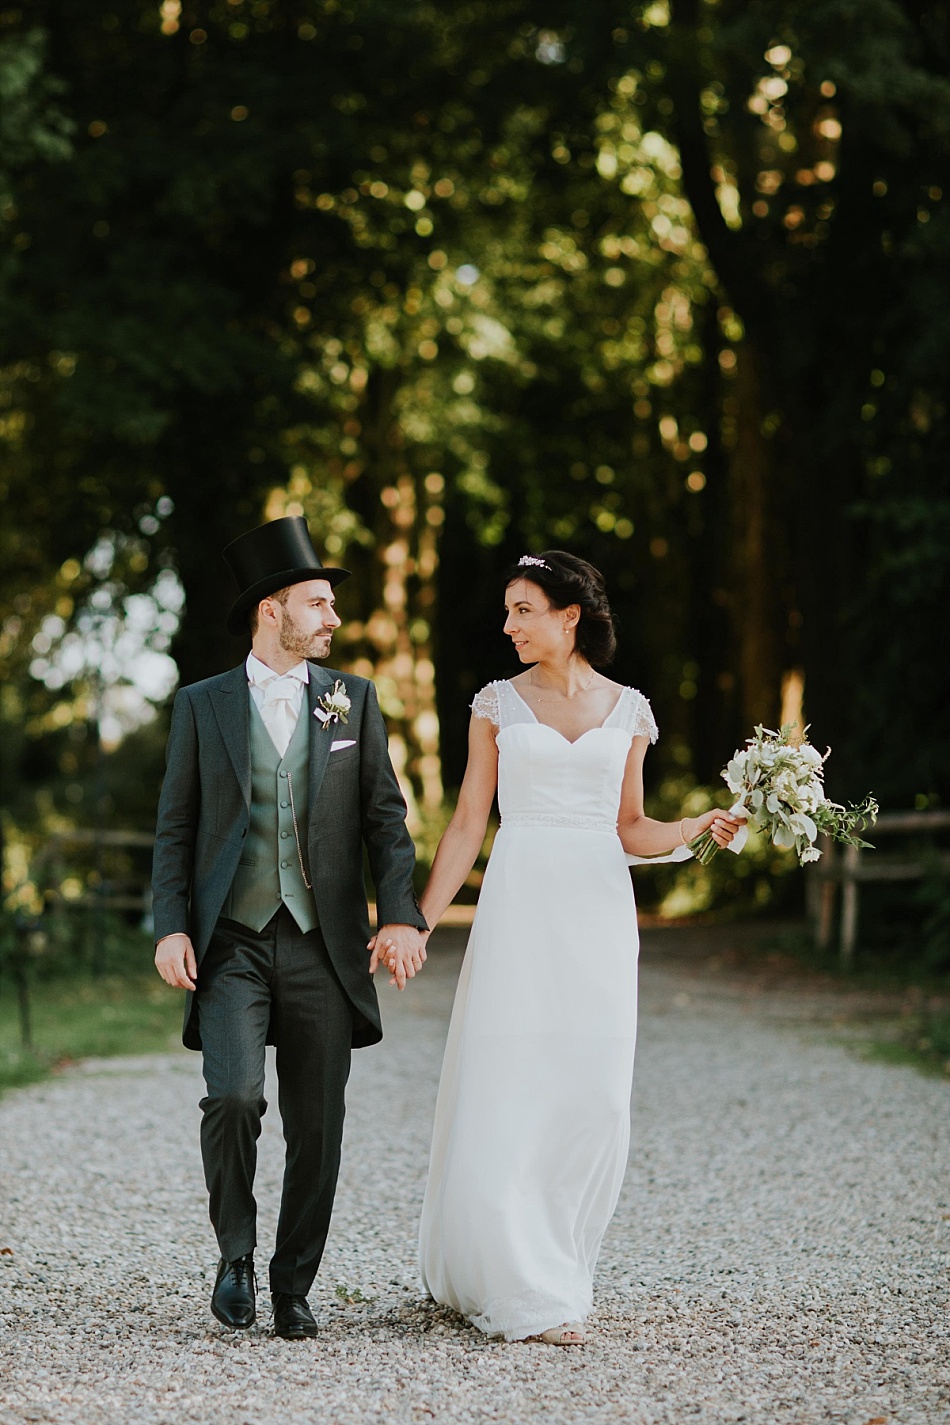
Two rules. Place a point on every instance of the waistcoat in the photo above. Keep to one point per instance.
(269, 871)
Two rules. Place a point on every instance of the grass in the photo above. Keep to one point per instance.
(351, 1296)
(872, 968)
(921, 1036)
(923, 1043)
(76, 1015)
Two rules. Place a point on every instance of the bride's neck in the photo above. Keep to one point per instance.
(568, 676)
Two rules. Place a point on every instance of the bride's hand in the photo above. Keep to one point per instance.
(721, 823)
(401, 948)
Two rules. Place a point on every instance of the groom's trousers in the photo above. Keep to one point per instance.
(276, 984)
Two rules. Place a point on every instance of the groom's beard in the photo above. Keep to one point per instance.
(303, 645)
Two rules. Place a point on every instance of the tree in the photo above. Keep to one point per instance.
(814, 140)
(461, 282)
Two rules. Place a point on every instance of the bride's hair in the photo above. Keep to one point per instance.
(568, 580)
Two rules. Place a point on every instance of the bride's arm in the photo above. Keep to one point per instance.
(463, 837)
(641, 835)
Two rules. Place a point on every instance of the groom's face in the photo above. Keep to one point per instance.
(308, 619)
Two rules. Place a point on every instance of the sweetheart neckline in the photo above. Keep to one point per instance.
(571, 742)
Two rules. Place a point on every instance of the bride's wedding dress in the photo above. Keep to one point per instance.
(532, 1122)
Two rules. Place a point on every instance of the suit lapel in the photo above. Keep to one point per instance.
(321, 737)
(231, 703)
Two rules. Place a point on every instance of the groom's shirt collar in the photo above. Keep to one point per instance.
(259, 675)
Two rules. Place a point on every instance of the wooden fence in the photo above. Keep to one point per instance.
(131, 894)
(851, 867)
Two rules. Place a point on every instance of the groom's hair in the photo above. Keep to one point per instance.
(253, 618)
(567, 580)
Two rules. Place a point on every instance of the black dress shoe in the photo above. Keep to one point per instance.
(232, 1300)
(293, 1318)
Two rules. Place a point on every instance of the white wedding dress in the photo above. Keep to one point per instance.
(532, 1123)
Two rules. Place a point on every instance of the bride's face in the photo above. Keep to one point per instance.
(538, 630)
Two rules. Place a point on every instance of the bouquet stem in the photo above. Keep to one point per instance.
(704, 847)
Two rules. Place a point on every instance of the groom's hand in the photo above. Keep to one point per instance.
(175, 961)
(401, 948)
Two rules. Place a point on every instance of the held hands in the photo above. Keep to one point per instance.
(401, 948)
(721, 824)
(175, 961)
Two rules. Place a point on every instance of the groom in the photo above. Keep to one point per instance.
(278, 774)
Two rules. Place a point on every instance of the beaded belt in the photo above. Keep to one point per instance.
(543, 818)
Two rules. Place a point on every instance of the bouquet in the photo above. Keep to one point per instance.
(780, 789)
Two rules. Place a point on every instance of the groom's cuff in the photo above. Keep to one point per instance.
(400, 915)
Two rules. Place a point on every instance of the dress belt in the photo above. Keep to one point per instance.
(574, 822)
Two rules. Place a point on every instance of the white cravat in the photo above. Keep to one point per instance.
(278, 698)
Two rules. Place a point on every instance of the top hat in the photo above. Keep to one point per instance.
(270, 558)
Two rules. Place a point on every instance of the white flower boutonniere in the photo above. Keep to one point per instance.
(333, 706)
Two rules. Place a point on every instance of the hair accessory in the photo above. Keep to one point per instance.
(532, 559)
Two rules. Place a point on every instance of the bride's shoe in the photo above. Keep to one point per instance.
(569, 1334)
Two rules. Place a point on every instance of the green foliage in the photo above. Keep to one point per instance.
(666, 285)
(114, 1003)
(934, 897)
(924, 1042)
(33, 126)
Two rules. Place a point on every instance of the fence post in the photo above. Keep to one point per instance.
(21, 978)
(849, 902)
(826, 892)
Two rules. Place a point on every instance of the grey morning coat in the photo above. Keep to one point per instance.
(354, 800)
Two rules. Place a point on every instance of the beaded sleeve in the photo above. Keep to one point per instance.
(644, 723)
(485, 704)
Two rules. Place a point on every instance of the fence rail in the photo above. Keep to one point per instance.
(116, 898)
(850, 867)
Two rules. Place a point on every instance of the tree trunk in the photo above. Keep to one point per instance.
(757, 568)
(392, 639)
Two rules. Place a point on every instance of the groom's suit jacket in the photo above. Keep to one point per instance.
(354, 799)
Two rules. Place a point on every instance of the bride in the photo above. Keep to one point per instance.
(532, 1119)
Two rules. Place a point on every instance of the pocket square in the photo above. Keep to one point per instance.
(347, 742)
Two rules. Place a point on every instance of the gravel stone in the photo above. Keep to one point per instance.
(779, 1255)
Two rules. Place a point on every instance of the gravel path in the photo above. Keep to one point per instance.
(779, 1256)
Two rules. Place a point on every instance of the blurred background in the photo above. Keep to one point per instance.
(664, 284)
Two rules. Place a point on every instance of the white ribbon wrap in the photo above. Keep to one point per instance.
(683, 853)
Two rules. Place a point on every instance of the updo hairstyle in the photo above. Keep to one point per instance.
(568, 580)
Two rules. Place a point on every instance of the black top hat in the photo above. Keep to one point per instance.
(269, 558)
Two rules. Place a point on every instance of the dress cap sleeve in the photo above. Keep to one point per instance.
(485, 704)
(642, 721)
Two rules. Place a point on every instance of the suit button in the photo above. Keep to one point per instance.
(285, 864)
(285, 804)
(282, 774)
(284, 834)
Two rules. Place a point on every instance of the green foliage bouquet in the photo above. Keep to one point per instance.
(780, 788)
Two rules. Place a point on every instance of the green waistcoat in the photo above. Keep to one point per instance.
(269, 871)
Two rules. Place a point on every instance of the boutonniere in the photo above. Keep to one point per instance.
(333, 706)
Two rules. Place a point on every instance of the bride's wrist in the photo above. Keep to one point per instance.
(429, 913)
(684, 835)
